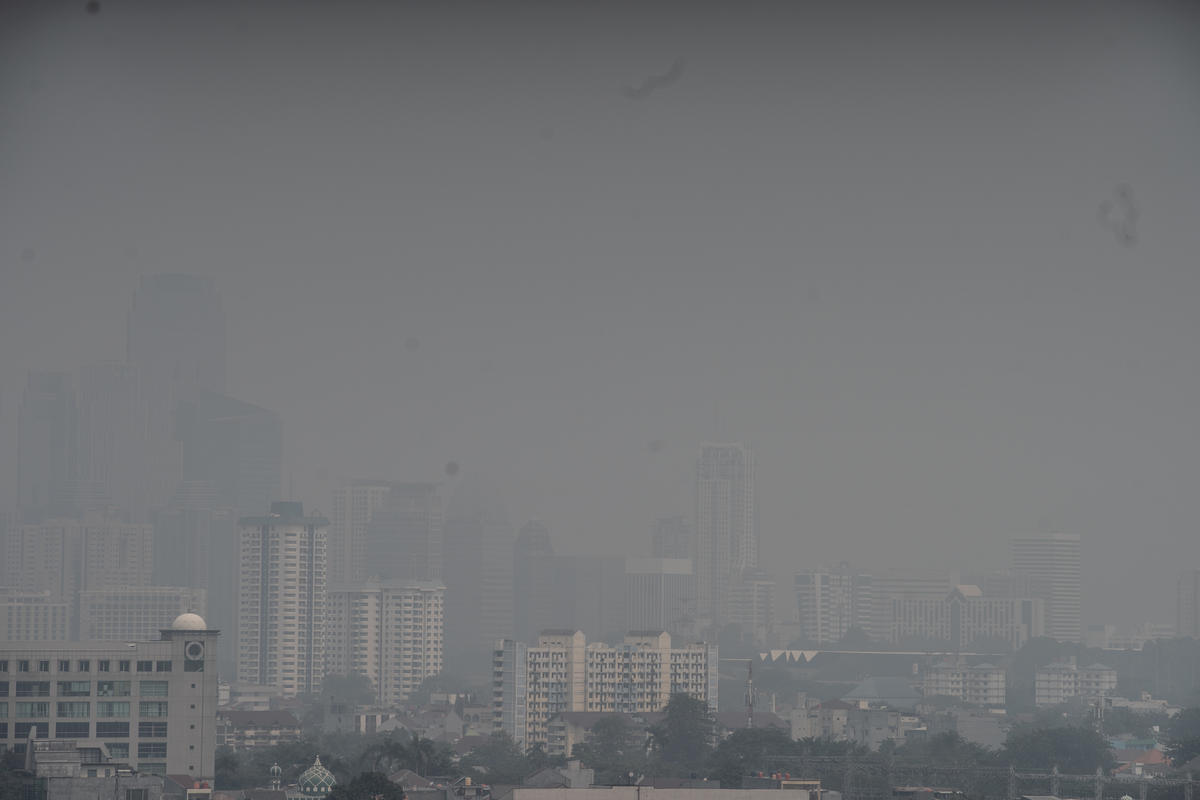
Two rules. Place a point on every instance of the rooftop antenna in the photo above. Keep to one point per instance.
(751, 695)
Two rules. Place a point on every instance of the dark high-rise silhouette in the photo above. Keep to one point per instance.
(533, 582)
(46, 444)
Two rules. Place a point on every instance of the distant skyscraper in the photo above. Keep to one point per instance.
(176, 332)
(533, 582)
(1054, 561)
(46, 444)
(113, 449)
(725, 536)
(282, 600)
(831, 601)
(404, 536)
(673, 538)
(353, 507)
(660, 595)
(589, 595)
(751, 605)
(1187, 604)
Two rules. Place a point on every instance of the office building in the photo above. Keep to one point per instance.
(751, 606)
(151, 704)
(889, 585)
(564, 673)
(832, 601)
(282, 600)
(533, 582)
(965, 617)
(673, 537)
(1187, 604)
(389, 631)
(134, 613)
(660, 594)
(981, 684)
(33, 617)
(1060, 681)
(353, 507)
(404, 536)
(726, 540)
(46, 445)
(113, 441)
(1055, 561)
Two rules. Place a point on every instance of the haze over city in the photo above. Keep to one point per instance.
(877, 246)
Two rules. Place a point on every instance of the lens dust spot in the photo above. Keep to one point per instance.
(411, 343)
(451, 468)
(29, 255)
(656, 446)
(92, 7)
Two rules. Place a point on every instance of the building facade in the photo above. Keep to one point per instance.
(151, 704)
(1187, 604)
(282, 600)
(726, 540)
(981, 685)
(134, 613)
(673, 537)
(831, 601)
(390, 631)
(33, 617)
(1054, 563)
(1060, 681)
(660, 594)
(964, 617)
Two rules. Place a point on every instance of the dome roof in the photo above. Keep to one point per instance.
(189, 622)
(316, 778)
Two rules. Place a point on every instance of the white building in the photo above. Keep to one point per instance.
(151, 704)
(660, 594)
(726, 541)
(565, 673)
(281, 600)
(390, 631)
(831, 601)
(1058, 682)
(133, 613)
(982, 684)
(965, 616)
(750, 604)
(33, 617)
(1054, 562)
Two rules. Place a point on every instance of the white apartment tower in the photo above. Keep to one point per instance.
(726, 541)
(1054, 562)
(390, 631)
(281, 600)
(831, 601)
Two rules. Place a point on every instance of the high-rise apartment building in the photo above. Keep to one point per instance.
(1187, 604)
(831, 601)
(134, 613)
(533, 582)
(674, 537)
(660, 594)
(353, 507)
(404, 536)
(1055, 562)
(751, 605)
(565, 673)
(46, 445)
(726, 541)
(282, 600)
(151, 704)
(389, 631)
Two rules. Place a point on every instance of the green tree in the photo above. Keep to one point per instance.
(614, 749)
(1183, 736)
(683, 740)
(354, 689)
(1075, 750)
(945, 749)
(368, 786)
(498, 760)
(750, 750)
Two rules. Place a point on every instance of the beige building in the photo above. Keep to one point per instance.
(1060, 681)
(133, 613)
(965, 616)
(982, 684)
(564, 673)
(390, 631)
(281, 600)
(151, 704)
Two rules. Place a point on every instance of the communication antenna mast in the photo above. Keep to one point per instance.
(751, 694)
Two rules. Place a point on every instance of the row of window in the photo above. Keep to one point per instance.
(85, 665)
(82, 730)
(116, 709)
(84, 688)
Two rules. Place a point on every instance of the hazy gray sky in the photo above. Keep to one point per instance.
(862, 238)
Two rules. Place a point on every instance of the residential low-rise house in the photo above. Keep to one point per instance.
(1060, 681)
(981, 685)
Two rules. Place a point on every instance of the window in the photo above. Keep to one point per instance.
(3, 688)
(64, 665)
(152, 749)
(74, 688)
(3, 734)
(117, 750)
(133, 794)
(152, 768)
(112, 688)
(3, 665)
(112, 709)
(3, 710)
(103, 665)
(21, 730)
(162, 666)
(74, 710)
(152, 730)
(85, 665)
(122, 666)
(152, 709)
(153, 688)
(112, 730)
(22, 666)
(44, 666)
(193, 666)
(72, 730)
(33, 688)
(145, 666)
(32, 710)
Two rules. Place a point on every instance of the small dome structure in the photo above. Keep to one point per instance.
(276, 771)
(189, 622)
(316, 780)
